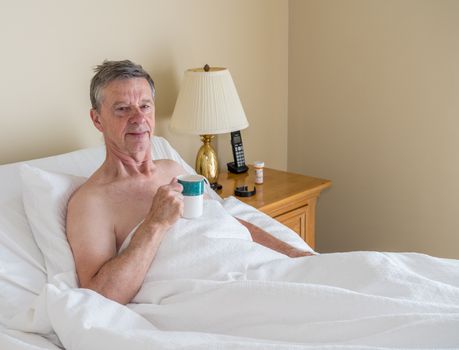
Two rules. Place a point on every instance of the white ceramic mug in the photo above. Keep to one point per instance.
(193, 195)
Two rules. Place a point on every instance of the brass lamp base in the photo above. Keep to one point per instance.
(207, 163)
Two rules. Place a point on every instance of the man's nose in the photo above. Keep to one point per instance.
(137, 116)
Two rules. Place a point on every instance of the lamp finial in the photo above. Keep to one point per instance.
(206, 68)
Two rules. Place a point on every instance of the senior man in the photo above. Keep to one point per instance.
(129, 188)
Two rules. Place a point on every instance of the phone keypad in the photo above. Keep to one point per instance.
(239, 155)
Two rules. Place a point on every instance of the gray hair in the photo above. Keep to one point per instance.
(109, 71)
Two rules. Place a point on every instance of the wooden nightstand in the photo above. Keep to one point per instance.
(287, 197)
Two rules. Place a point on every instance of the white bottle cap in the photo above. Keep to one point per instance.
(259, 164)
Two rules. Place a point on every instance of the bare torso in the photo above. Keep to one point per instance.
(126, 201)
(104, 211)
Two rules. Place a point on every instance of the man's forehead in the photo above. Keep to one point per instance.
(125, 88)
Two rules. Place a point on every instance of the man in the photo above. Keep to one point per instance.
(129, 188)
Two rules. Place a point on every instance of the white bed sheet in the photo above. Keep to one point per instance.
(243, 297)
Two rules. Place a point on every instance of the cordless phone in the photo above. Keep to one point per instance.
(238, 166)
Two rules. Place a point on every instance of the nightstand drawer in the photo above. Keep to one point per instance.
(295, 220)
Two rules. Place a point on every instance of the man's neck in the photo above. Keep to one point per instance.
(120, 164)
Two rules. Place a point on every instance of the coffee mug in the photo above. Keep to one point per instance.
(193, 195)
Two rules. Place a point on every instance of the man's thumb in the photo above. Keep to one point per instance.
(173, 181)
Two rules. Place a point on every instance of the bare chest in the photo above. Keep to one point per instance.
(128, 207)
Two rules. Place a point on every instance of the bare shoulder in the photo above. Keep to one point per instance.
(170, 167)
(87, 212)
(85, 198)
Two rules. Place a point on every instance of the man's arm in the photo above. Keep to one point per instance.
(119, 277)
(262, 237)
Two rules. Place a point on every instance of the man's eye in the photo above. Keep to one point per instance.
(145, 106)
(121, 109)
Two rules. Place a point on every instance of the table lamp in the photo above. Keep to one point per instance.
(208, 104)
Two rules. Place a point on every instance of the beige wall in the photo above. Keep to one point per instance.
(49, 48)
(374, 106)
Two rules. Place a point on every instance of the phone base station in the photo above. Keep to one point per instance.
(232, 168)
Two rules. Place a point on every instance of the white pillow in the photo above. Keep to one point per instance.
(45, 196)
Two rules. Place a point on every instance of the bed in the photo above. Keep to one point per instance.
(210, 286)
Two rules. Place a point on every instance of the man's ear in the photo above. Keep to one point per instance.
(95, 117)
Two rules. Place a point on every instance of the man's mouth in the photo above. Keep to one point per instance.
(137, 133)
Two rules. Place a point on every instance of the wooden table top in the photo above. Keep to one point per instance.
(277, 186)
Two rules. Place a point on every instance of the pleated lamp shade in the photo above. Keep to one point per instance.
(208, 103)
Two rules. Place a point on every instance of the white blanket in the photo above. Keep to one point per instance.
(211, 287)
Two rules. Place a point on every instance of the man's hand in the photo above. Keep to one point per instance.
(167, 204)
(262, 237)
(296, 253)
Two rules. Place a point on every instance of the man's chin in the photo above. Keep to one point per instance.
(139, 145)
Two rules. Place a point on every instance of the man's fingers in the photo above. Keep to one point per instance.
(175, 185)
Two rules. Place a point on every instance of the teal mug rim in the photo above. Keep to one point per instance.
(192, 187)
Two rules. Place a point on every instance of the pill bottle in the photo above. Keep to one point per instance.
(258, 172)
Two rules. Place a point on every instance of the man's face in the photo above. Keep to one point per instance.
(126, 115)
